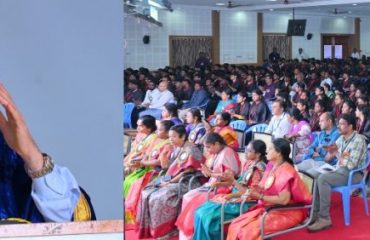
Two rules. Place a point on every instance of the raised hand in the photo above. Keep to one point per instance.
(16, 133)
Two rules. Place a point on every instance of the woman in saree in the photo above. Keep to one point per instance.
(146, 128)
(161, 199)
(280, 185)
(169, 112)
(222, 127)
(144, 164)
(299, 133)
(207, 220)
(259, 111)
(147, 169)
(196, 128)
(226, 100)
(222, 159)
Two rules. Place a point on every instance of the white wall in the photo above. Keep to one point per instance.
(277, 23)
(185, 21)
(238, 37)
(365, 36)
(238, 34)
(62, 61)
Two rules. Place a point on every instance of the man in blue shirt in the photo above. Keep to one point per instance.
(32, 187)
(317, 156)
(199, 99)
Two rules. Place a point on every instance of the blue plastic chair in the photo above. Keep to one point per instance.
(127, 111)
(257, 128)
(346, 191)
(240, 125)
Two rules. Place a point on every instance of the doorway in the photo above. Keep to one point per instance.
(335, 46)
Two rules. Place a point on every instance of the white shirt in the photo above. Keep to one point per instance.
(301, 56)
(355, 55)
(151, 95)
(163, 98)
(278, 126)
(326, 80)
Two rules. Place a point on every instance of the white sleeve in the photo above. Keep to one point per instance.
(146, 99)
(271, 124)
(283, 128)
(56, 194)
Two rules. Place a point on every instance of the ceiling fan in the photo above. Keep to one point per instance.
(293, 1)
(230, 4)
(336, 12)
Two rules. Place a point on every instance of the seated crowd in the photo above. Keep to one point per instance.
(184, 165)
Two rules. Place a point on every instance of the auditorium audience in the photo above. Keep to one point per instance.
(297, 94)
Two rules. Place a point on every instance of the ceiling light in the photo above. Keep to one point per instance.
(271, 0)
(349, 12)
(354, 4)
(271, 9)
(220, 4)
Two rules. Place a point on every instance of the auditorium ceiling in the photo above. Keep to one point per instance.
(349, 8)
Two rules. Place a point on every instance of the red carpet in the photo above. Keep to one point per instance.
(359, 228)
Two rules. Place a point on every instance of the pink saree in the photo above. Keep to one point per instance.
(133, 197)
(227, 159)
(247, 226)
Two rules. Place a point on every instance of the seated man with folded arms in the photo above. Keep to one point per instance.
(317, 155)
(32, 187)
(279, 124)
(155, 107)
(198, 99)
(350, 150)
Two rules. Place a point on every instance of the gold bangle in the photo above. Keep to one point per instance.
(47, 167)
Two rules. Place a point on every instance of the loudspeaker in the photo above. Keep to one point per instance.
(146, 39)
(309, 36)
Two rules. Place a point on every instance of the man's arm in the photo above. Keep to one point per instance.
(311, 149)
(165, 98)
(199, 100)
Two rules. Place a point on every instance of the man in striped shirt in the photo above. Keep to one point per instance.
(350, 150)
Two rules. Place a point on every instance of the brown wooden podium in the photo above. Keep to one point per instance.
(94, 230)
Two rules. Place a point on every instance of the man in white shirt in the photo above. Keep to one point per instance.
(301, 55)
(327, 79)
(156, 105)
(279, 124)
(355, 54)
(151, 94)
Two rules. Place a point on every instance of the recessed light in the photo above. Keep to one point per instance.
(271, 9)
(220, 4)
(354, 4)
(271, 0)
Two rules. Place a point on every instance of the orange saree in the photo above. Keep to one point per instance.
(247, 226)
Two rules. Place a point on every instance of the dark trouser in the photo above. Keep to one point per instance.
(325, 182)
(135, 116)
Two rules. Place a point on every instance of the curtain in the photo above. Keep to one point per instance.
(185, 50)
(281, 42)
